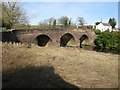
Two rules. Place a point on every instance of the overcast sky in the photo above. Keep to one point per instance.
(90, 11)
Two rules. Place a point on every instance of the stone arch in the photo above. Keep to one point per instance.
(42, 40)
(67, 39)
(83, 38)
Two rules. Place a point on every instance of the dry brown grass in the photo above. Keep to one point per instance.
(58, 67)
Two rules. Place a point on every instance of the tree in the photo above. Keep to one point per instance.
(12, 15)
(54, 22)
(81, 21)
(69, 22)
(64, 21)
(106, 40)
(112, 22)
(51, 21)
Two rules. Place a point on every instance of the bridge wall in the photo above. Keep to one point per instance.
(9, 37)
(28, 36)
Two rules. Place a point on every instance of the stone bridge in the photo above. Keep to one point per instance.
(53, 37)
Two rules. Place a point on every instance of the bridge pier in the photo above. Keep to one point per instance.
(54, 44)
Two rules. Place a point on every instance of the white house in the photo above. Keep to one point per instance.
(104, 26)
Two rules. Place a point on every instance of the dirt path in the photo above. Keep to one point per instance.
(81, 68)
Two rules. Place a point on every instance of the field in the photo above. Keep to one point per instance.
(39, 67)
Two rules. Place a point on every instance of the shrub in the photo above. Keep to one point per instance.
(107, 40)
(97, 32)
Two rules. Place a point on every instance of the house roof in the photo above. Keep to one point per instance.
(106, 24)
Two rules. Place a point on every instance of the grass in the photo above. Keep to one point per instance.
(58, 67)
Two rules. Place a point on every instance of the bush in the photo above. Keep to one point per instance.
(97, 32)
(107, 40)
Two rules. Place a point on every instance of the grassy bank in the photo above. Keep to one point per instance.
(58, 67)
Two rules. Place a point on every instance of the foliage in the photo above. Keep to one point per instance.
(12, 15)
(21, 26)
(107, 40)
(112, 22)
(97, 32)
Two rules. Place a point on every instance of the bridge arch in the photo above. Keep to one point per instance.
(84, 37)
(42, 40)
(67, 39)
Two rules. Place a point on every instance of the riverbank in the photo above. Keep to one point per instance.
(58, 67)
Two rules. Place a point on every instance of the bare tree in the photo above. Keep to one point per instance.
(81, 21)
(51, 21)
(64, 21)
(12, 14)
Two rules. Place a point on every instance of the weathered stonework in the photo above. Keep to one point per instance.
(55, 37)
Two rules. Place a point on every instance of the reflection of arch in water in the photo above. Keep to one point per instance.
(67, 40)
(83, 38)
(42, 40)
